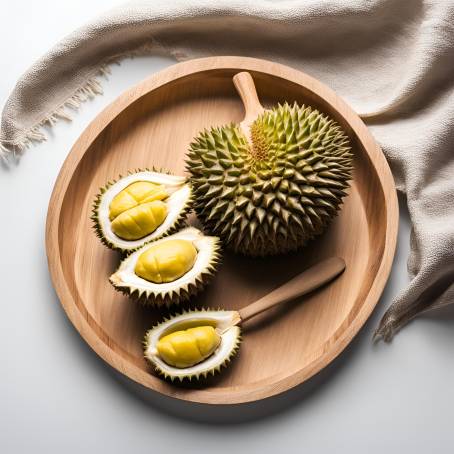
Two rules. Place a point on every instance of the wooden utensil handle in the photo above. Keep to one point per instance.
(305, 282)
(245, 87)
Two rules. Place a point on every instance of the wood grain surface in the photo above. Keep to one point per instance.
(153, 124)
(307, 281)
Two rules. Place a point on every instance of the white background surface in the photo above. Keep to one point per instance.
(56, 395)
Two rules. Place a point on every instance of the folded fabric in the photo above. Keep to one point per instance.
(393, 61)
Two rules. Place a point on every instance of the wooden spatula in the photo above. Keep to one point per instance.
(305, 282)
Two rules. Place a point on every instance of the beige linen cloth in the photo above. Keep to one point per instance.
(392, 60)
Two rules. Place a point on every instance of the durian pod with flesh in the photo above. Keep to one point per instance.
(229, 339)
(140, 208)
(169, 270)
(273, 182)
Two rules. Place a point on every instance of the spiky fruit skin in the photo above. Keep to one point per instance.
(272, 195)
(198, 375)
(179, 222)
(175, 297)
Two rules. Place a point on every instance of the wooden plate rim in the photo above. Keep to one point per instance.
(342, 337)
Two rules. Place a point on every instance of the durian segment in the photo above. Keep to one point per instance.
(208, 253)
(178, 203)
(136, 194)
(225, 324)
(166, 261)
(140, 220)
(273, 195)
(186, 348)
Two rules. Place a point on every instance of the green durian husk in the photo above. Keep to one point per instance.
(272, 194)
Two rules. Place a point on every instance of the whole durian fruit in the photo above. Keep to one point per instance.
(273, 182)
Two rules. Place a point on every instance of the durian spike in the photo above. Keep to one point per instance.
(245, 87)
(305, 282)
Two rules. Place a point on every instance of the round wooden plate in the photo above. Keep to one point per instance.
(151, 125)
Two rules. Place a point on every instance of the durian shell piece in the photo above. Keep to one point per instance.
(179, 203)
(225, 323)
(168, 293)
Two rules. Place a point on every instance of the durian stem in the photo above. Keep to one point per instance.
(245, 87)
(307, 281)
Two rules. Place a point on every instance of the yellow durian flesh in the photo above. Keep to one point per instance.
(166, 261)
(132, 213)
(140, 220)
(188, 347)
(136, 194)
